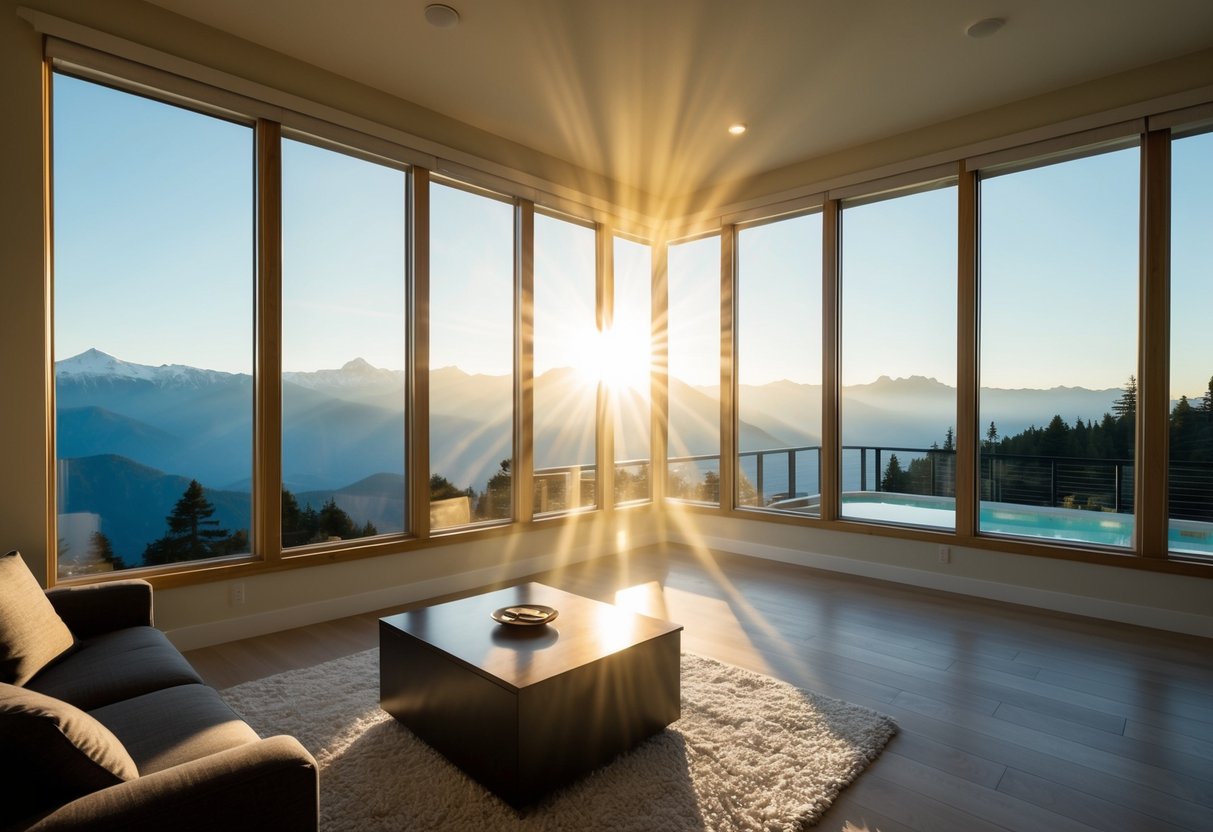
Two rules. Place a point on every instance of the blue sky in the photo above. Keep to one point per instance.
(154, 244)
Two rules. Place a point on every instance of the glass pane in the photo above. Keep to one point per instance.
(694, 370)
(779, 365)
(471, 357)
(153, 331)
(343, 350)
(1191, 447)
(626, 368)
(899, 360)
(566, 371)
(1059, 266)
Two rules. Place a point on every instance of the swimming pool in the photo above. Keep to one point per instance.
(1101, 528)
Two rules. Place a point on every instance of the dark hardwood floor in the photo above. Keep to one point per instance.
(1010, 718)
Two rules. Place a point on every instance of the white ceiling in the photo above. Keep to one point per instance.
(642, 91)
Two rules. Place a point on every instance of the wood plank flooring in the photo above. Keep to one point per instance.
(1010, 718)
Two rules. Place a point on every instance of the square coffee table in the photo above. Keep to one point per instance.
(521, 709)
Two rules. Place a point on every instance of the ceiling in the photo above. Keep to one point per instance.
(642, 91)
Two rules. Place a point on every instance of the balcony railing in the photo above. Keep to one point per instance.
(774, 475)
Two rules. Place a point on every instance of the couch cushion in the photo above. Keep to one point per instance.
(54, 753)
(169, 727)
(115, 666)
(31, 633)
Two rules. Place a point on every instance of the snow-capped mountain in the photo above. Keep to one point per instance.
(95, 364)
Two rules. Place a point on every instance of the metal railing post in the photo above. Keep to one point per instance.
(1052, 482)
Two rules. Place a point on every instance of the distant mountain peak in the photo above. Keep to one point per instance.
(95, 364)
(358, 365)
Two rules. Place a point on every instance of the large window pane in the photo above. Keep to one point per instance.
(153, 348)
(343, 349)
(1059, 285)
(626, 368)
(471, 357)
(566, 366)
(1191, 447)
(779, 365)
(899, 359)
(694, 370)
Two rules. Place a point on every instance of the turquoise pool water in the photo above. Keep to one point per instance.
(1097, 527)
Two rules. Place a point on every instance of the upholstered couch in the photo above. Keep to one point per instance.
(104, 725)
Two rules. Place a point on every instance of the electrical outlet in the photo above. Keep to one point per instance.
(236, 594)
(945, 554)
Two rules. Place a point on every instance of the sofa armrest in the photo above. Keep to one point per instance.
(270, 784)
(101, 608)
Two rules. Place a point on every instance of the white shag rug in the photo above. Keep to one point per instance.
(749, 753)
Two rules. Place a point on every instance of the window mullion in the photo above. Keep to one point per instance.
(831, 310)
(267, 462)
(729, 445)
(418, 418)
(524, 361)
(605, 305)
(659, 373)
(968, 385)
(1154, 339)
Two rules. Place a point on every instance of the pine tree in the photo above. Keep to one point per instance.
(294, 532)
(335, 523)
(192, 533)
(1054, 442)
(443, 489)
(894, 477)
(949, 439)
(100, 550)
(496, 502)
(1125, 407)
(991, 437)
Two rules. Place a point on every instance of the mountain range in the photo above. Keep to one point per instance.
(132, 436)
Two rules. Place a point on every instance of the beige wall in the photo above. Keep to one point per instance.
(202, 613)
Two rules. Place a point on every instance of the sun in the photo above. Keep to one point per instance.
(619, 358)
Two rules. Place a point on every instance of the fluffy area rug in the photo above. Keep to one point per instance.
(749, 753)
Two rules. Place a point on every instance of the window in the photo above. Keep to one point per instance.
(899, 359)
(1190, 487)
(471, 357)
(566, 366)
(153, 323)
(627, 366)
(1059, 287)
(343, 347)
(779, 365)
(694, 370)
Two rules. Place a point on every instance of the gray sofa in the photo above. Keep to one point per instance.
(105, 725)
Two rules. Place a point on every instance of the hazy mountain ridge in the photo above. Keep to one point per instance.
(134, 435)
(133, 501)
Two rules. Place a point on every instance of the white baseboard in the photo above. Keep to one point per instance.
(1153, 617)
(233, 629)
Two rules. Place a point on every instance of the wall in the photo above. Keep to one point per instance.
(199, 614)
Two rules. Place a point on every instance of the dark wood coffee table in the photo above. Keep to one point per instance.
(525, 710)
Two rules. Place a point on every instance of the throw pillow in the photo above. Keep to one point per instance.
(31, 633)
(54, 753)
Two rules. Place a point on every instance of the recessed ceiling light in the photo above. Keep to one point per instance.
(985, 28)
(737, 129)
(441, 15)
